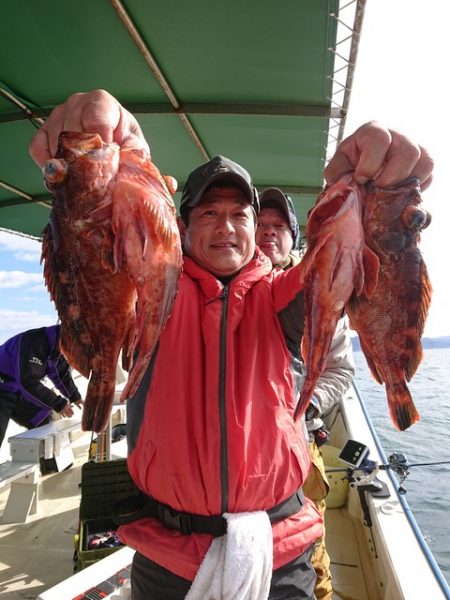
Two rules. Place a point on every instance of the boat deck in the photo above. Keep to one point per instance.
(36, 555)
(345, 542)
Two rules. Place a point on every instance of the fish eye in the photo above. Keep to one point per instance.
(416, 218)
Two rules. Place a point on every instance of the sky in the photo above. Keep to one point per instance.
(402, 79)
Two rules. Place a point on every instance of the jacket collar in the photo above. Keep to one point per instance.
(255, 270)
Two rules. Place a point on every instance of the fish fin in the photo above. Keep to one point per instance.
(79, 355)
(310, 258)
(134, 379)
(315, 347)
(416, 352)
(74, 340)
(98, 402)
(426, 293)
(128, 345)
(359, 276)
(401, 406)
(370, 362)
(371, 271)
(303, 401)
(310, 382)
(48, 257)
(414, 359)
(151, 318)
(171, 182)
(335, 269)
(304, 345)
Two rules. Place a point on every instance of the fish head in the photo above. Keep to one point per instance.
(394, 217)
(82, 170)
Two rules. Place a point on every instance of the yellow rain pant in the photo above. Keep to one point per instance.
(316, 488)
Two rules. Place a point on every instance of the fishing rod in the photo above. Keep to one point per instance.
(431, 464)
(384, 467)
(355, 455)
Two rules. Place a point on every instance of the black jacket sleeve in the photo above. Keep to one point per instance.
(32, 362)
(60, 375)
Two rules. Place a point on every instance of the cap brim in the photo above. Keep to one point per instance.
(275, 196)
(234, 178)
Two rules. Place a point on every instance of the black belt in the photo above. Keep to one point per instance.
(141, 506)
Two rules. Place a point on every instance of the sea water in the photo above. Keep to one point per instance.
(428, 441)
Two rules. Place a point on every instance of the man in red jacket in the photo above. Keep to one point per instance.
(211, 430)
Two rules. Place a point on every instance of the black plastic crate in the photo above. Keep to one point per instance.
(102, 485)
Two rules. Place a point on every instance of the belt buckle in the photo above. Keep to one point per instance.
(172, 519)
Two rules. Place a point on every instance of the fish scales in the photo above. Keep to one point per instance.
(112, 259)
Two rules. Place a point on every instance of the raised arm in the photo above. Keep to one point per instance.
(89, 112)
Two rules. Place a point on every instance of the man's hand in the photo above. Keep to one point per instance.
(386, 156)
(79, 403)
(67, 411)
(89, 112)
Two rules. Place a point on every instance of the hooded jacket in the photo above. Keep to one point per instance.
(26, 359)
(210, 429)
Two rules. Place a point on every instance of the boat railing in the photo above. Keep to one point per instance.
(404, 503)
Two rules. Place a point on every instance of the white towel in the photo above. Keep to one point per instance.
(238, 565)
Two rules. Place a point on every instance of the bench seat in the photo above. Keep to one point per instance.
(23, 495)
(45, 442)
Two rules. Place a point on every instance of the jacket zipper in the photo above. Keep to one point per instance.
(222, 400)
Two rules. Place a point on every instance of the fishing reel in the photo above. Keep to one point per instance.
(398, 463)
(362, 474)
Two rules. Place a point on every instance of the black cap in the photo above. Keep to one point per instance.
(273, 197)
(217, 169)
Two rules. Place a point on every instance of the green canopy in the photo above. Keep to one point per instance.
(252, 80)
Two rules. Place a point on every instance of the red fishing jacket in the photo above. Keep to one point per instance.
(210, 429)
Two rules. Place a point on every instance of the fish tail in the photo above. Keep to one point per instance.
(98, 403)
(401, 406)
(304, 399)
(134, 379)
(309, 385)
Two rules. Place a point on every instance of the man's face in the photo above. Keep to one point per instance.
(273, 235)
(220, 236)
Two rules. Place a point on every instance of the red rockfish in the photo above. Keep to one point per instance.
(112, 259)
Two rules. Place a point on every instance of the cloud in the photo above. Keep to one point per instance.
(17, 279)
(21, 247)
(14, 322)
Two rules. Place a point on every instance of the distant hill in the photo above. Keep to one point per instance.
(438, 342)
